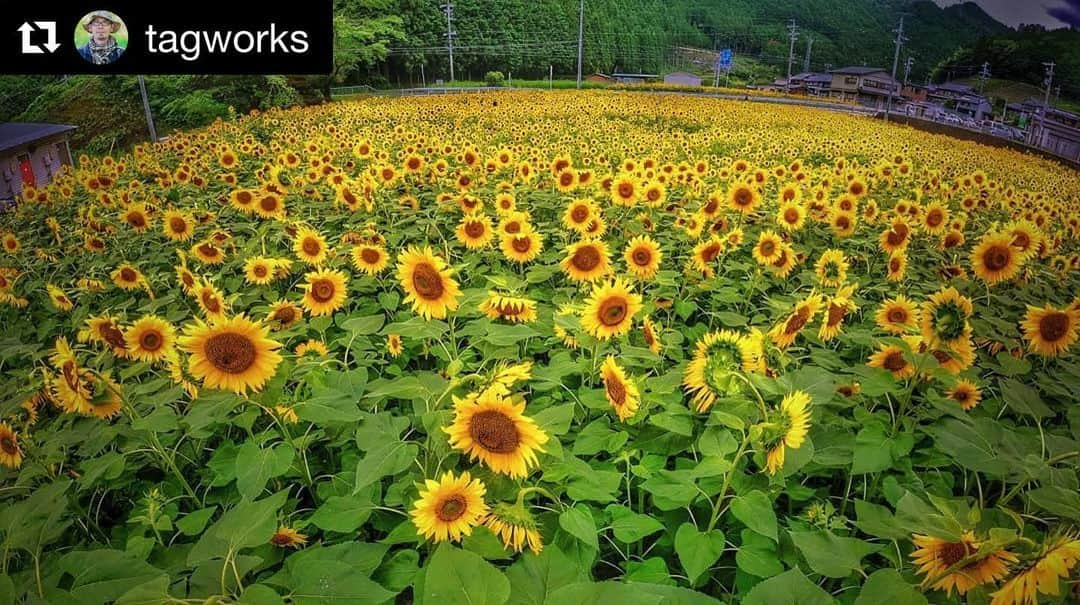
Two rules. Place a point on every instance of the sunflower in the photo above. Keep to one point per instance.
(427, 282)
(620, 392)
(208, 253)
(791, 216)
(566, 180)
(449, 508)
(210, 300)
(313, 346)
(784, 333)
(891, 358)
(515, 525)
(1049, 331)
(579, 213)
(960, 565)
(243, 200)
(586, 261)
(705, 253)
(58, 298)
(284, 314)
(896, 315)
(137, 217)
(393, 345)
(511, 308)
(11, 243)
(514, 223)
(505, 202)
(610, 309)
(787, 432)
(1043, 575)
(178, 226)
(652, 337)
(994, 259)
(835, 310)
(309, 246)
(767, 249)
(935, 219)
(522, 247)
(127, 277)
(643, 257)
(896, 266)
(842, 223)
(896, 237)
(324, 292)
(106, 330)
(711, 373)
(494, 430)
(624, 191)
(269, 205)
(654, 195)
(233, 354)
(149, 339)
(287, 537)
(475, 231)
(259, 270)
(831, 268)
(105, 402)
(965, 393)
(11, 454)
(743, 198)
(943, 318)
(369, 258)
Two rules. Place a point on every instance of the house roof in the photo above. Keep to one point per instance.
(857, 70)
(17, 134)
(955, 87)
(622, 75)
(809, 76)
(682, 74)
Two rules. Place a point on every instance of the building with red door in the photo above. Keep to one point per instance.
(30, 154)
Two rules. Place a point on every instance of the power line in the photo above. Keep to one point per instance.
(793, 34)
(900, 39)
(449, 8)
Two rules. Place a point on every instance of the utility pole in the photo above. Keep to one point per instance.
(1048, 82)
(146, 109)
(793, 33)
(806, 61)
(907, 69)
(984, 75)
(900, 39)
(448, 8)
(580, 39)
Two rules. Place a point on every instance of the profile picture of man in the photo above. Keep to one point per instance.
(101, 37)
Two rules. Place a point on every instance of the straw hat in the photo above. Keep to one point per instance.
(110, 17)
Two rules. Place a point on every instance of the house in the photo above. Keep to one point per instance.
(962, 99)
(30, 154)
(623, 78)
(682, 78)
(599, 78)
(915, 93)
(870, 86)
(810, 83)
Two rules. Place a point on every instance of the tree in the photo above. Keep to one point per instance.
(363, 33)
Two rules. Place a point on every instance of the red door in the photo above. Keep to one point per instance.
(27, 170)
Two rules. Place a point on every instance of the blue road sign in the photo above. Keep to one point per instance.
(725, 58)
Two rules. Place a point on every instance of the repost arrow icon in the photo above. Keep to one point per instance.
(28, 48)
(49, 26)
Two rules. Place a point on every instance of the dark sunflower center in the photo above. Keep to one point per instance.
(934, 218)
(311, 246)
(177, 224)
(474, 228)
(797, 321)
(616, 391)
(268, 203)
(642, 257)
(566, 179)
(626, 190)
(512, 227)
(521, 244)
(896, 235)
(370, 256)
(894, 361)
(495, 432)
(136, 220)
(509, 309)
(8, 445)
(281, 539)
(653, 194)
(427, 282)
(127, 274)
(961, 395)
(1053, 326)
(612, 311)
(710, 252)
(322, 290)
(208, 249)
(768, 248)
(244, 197)
(150, 341)
(894, 265)
(187, 278)
(452, 508)
(711, 207)
(897, 315)
(997, 258)
(1021, 240)
(285, 315)
(951, 553)
(579, 213)
(260, 271)
(743, 197)
(836, 315)
(230, 352)
(791, 215)
(843, 222)
(586, 258)
(210, 300)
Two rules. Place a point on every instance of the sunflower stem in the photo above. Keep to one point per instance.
(727, 483)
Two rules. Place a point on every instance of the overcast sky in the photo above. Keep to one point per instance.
(1015, 12)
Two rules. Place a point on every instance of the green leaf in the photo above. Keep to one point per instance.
(602, 593)
(459, 576)
(151, 592)
(789, 588)
(755, 510)
(974, 446)
(344, 513)
(1057, 501)
(757, 555)
(888, 586)
(1024, 399)
(629, 527)
(829, 555)
(676, 419)
(255, 466)
(872, 451)
(717, 441)
(878, 521)
(193, 523)
(1012, 366)
(100, 576)
(245, 525)
(578, 522)
(499, 335)
(417, 327)
(555, 420)
(363, 326)
(533, 577)
(697, 550)
(398, 572)
(671, 489)
(652, 571)
(388, 458)
(335, 582)
(729, 319)
(334, 397)
(485, 543)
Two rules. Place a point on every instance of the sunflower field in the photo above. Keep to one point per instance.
(528, 348)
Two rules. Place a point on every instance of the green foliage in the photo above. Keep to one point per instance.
(494, 78)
